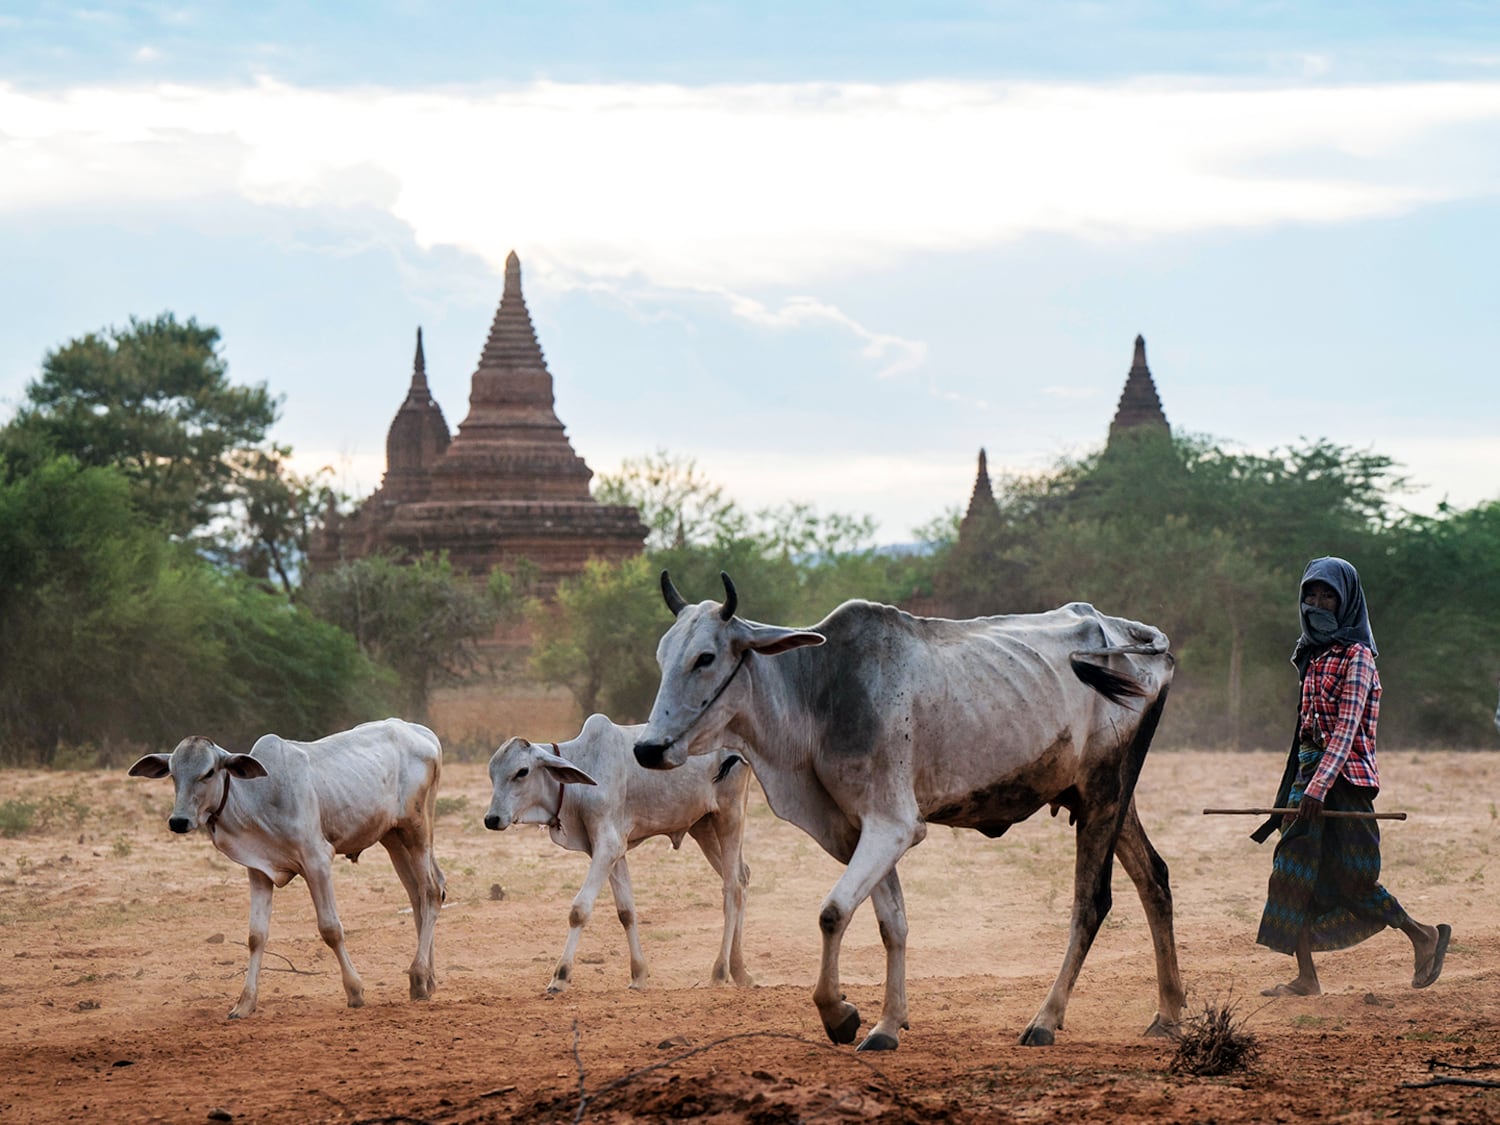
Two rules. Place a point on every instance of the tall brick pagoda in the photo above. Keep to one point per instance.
(507, 486)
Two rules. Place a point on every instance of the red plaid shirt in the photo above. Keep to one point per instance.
(1339, 708)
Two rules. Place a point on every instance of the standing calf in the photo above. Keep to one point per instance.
(595, 799)
(287, 808)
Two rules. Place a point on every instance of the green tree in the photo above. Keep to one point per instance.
(417, 618)
(598, 637)
(1434, 593)
(1208, 544)
(676, 502)
(154, 401)
(789, 563)
(275, 515)
(112, 635)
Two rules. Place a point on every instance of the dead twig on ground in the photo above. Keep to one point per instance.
(1213, 1042)
(291, 968)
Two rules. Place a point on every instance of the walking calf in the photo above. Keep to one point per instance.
(287, 808)
(595, 798)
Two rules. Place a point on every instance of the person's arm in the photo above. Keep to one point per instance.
(1354, 693)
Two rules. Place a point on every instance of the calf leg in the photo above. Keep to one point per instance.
(881, 845)
(720, 836)
(1092, 871)
(261, 889)
(619, 885)
(319, 878)
(1149, 874)
(607, 852)
(419, 874)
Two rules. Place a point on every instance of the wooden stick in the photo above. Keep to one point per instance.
(1293, 812)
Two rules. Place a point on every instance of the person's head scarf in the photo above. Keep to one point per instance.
(1320, 629)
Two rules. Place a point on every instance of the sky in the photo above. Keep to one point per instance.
(826, 251)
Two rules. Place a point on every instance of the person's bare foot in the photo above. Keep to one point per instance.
(1428, 952)
(1298, 987)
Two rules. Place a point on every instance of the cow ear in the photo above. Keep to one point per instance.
(152, 765)
(562, 769)
(244, 766)
(768, 640)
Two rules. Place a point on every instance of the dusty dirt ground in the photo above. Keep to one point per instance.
(122, 949)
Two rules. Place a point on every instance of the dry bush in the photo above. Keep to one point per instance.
(1213, 1042)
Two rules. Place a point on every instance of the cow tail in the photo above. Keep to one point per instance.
(1116, 687)
(729, 764)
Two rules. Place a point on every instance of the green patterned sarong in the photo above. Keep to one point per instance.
(1325, 877)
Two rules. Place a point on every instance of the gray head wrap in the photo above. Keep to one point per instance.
(1351, 624)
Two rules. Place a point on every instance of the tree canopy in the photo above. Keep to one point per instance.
(153, 401)
(1205, 541)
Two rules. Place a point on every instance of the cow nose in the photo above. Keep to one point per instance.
(650, 754)
(179, 824)
(492, 822)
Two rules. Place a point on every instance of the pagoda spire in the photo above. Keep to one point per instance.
(419, 392)
(1140, 406)
(417, 437)
(512, 345)
(982, 504)
(512, 445)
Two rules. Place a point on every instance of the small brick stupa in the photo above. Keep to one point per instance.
(508, 486)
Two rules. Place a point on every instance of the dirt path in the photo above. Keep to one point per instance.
(122, 947)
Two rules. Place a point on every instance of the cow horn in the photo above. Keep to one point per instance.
(675, 601)
(731, 598)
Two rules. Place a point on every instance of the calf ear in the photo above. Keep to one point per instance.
(768, 640)
(562, 769)
(152, 765)
(244, 766)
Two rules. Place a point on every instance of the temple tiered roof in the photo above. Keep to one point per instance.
(507, 486)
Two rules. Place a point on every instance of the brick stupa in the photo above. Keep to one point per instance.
(507, 487)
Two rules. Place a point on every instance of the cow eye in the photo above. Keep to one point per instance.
(703, 661)
(522, 772)
(206, 776)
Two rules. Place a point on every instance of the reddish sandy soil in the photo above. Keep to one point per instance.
(122, 949)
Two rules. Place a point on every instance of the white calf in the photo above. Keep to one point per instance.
(595, 799)
(287, 808)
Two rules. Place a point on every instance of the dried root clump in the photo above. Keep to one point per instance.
(1213, 1042)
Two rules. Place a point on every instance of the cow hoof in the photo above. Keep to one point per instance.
(356, 1001)
(1037, 1037)
(845, 1031)
(878, 1041)
(1160, 1029)
(554, 988)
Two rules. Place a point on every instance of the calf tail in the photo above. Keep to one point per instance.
(729, 764)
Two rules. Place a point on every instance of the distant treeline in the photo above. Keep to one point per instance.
(1206, 543)
(153, 542)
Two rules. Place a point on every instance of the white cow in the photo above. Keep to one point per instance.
(287, 808)
(595, 799)
(873, 724)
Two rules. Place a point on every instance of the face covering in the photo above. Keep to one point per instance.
(1320, 625)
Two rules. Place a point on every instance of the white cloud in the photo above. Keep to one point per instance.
(744, 185)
